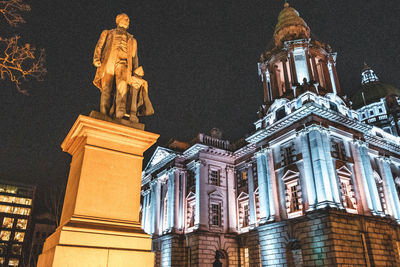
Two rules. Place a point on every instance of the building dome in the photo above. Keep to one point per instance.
(290, 26)
(373, 92)
(372, 89)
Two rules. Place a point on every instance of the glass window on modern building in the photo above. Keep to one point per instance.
(15, 218)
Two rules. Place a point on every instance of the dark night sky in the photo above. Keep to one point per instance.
(200, 59)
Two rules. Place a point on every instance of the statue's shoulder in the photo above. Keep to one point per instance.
(130, 36)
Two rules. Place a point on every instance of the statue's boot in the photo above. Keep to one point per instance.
(119, 114)
(133, 117)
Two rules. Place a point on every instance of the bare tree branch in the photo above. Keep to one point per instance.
(54, 201)
(11, 11)
(18, 63)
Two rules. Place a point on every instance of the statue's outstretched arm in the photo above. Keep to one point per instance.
(99, 49)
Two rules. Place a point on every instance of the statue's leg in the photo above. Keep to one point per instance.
(122, 90)
(133, 114)
(105, 100)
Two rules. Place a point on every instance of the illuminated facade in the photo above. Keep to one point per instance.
(15, 215)
(313, 185)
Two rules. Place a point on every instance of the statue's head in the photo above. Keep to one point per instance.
(122, 20)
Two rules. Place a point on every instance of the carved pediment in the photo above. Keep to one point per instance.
(191, 195)
(290, 175)
(215, 194)
(159, 155)
(243, 195)
(344, 171)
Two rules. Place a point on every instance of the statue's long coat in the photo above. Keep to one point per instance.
(103, 54)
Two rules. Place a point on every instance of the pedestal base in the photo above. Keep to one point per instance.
(100, 218)
(86, 244)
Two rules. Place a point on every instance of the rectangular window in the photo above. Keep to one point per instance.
(338, 150)
(246, 262)
(3, 248)
(294, 204)
(8, 222)
(16, 249)
(245, 215)
(13, 262)
(295, 199)
(5, 235)
(216, 214)
(19, 236)
(214, 177)
(21, 223)
(288, 154)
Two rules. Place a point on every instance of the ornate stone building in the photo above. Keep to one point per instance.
(316, 183)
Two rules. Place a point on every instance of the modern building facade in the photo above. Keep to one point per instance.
(15, 215)
(43, 226)
(316, 183)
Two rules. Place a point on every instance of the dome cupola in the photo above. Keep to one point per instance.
(290, 26)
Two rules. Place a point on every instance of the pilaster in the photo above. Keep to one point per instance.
(231, 195)
(390, 187)
(369, 183)
(264, 186)
(250, 182)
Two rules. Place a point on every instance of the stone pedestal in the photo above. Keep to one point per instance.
(100, 218)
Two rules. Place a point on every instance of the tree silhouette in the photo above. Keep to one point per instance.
(19, 62)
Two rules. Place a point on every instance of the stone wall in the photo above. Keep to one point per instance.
(336, 238)
(320, 238)
(195, 249)
(273, 238)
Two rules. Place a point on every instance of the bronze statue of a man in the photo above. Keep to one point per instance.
(115, 56)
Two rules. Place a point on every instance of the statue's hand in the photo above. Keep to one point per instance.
(97, 64)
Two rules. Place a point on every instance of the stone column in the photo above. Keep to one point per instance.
(263, 70)
(153, 211)
(292, 68)
(171, 199)
(144, 210)
(157, 208)
(286, 76)
(315, 69)
(368, 179)
(250, 182)
(320, 168)
(310, 73)
(360, 175)
(197, 194)
(390, 187)
(331, 169)
(264, 185)
(332, 78)
(176, 212)
(311, 194)
(231, 195)
(325, 72)
(335, 77)
(182, 199)
(272, 187)
(148, 213)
